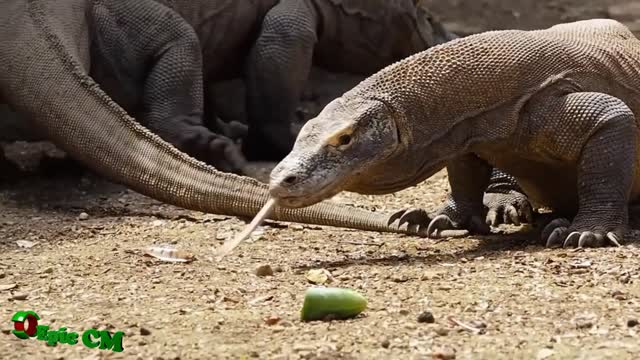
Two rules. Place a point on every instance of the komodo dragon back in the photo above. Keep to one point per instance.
(43, 74)
(429, 27)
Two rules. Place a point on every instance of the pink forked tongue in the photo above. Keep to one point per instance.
(228, 246)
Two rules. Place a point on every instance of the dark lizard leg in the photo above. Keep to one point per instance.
(173, 96)
(468, 177)
(605, 168)
(277, 70)
(156, 60)
(8, 169)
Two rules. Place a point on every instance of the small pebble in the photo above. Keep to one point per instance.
(385, 343)
(264, 270)
(145, 331)
(426, 317)
(442, 331)
(632, 323)
(619, 295)
(404, 312)
(444, 354)
(584, 324)
(399, 278)
(272, 320)
(19, 296)
(478, 324)
(83, 216)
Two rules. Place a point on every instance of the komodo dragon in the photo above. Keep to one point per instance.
(557, 108)
(272, 44)
(268, 42)
(353, 36)
(44, 74)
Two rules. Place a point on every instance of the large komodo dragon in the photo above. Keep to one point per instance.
(556, 108)
(268, 42)
(44, 67)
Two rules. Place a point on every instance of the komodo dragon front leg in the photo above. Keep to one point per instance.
(480, 196)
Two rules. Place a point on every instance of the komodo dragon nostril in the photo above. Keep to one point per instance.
(290, 180)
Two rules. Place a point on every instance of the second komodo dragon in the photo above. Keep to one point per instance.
(161, 65)
(44, 74)
(557, 108)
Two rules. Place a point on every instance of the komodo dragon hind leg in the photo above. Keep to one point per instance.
(605, 169)
(505, 202)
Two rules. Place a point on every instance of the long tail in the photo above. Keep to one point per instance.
(45, 81)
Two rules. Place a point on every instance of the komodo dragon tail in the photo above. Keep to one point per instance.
(45, 81)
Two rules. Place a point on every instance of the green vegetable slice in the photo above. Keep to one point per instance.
(337, 303)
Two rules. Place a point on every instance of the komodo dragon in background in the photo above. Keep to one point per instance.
(268, 42)
(44, 74)
(556, 108)
(352, 36)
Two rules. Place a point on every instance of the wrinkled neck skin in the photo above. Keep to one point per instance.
(414, 160)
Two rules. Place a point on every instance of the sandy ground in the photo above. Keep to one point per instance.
(81, 265)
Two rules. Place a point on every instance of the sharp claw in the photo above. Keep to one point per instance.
(395, 216)
(614, 239)
(587, 239)
(512, 215)
(552, 226)
(439, 223)
(413, 228)
(572, 240)
(527, 214)
(414, 216)
(556, 236)
(492, 217)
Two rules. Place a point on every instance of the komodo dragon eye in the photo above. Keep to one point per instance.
(344, 140)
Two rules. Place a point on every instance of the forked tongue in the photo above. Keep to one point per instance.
(229, 245)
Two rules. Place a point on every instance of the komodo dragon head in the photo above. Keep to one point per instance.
(351, 145)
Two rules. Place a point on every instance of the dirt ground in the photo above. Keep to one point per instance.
(73, 252)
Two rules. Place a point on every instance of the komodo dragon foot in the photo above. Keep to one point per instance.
(562, 233)
(504, 203)
(500, 208)
(447, 218)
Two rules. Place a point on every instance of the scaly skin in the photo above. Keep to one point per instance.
(555, 108)
(44, 57)
(354, 36)
(270, 46)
